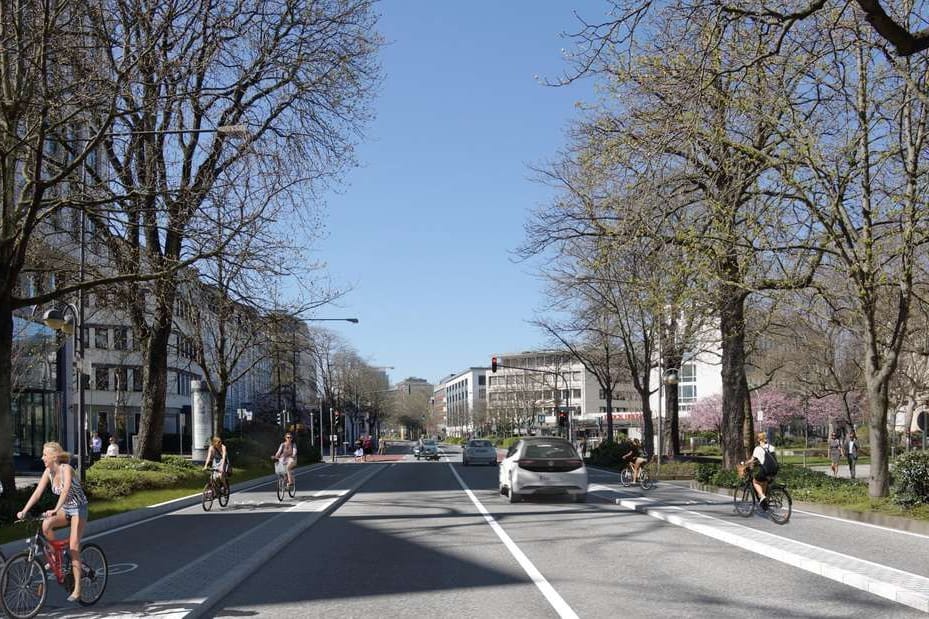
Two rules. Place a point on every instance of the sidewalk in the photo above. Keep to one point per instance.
(862, 471)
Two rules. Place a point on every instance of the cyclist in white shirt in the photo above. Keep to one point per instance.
(759, 477)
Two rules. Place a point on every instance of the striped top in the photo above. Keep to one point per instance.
(76, 496)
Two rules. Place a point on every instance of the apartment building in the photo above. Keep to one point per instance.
(465, 400)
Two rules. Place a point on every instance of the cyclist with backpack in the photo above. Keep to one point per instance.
(764, 467)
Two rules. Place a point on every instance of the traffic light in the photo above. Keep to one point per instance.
(562, 419)
(278, 419)
(493, 364)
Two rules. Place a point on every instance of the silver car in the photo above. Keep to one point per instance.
(428, 449)
(541, 465)
(479, 451)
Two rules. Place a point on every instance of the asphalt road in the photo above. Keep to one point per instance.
(435, 539)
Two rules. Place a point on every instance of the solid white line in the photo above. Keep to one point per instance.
(561, 607)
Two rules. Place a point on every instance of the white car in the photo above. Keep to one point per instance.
(541, 465)
(479, 451)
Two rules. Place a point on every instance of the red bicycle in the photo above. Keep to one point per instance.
(23, 578)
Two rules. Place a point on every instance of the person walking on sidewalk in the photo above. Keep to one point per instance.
(835, 453)
(851, 452)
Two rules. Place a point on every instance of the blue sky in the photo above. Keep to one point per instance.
(424, 229)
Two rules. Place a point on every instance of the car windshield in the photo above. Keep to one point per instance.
(549, 450)
(479, 444)
(428, 443)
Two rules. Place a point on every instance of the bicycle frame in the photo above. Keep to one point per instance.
(53, 551)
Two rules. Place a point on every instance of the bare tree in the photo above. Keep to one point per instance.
(296, 73)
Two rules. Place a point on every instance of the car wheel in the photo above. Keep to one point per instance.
(512, 496)
(580, 498)
(464, 462)
(502, 490)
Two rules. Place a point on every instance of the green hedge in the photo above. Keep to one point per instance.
(111, 478)
(911, 479)
(609, 454)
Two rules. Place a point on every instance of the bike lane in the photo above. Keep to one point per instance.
(171, 564)
(884, 561)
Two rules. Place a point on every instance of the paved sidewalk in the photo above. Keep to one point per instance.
(862, 471)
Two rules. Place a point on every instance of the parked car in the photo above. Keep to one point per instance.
(479, 451)
(540, 465)
(428, 449)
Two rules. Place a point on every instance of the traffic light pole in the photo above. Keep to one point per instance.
(331, 435)
(494, 364)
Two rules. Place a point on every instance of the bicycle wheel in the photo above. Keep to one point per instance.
(224, 492)
(208, 496)
(625, 477)
(94, 574)
(281, 483)
(744, 500)
(22, 586)
(292, 489)
(779, 504)
(644, 479)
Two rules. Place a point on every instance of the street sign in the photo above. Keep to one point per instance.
(541, 418)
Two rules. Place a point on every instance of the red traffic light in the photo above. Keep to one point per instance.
(493, 364)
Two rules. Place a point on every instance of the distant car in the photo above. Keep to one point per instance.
(540, 465)
(428, 449)
(479, 451)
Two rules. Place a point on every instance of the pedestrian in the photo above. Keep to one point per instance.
(382, 447)
(851, 452)
(112, 449)
(835, 452)
(366, 447)
(583, 446)
(96, 446)
(71, 504)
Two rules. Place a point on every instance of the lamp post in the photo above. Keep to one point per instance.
(56, 319)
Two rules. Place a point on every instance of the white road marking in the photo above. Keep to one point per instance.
(558, 603)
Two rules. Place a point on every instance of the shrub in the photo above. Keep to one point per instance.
(117, 477)
(610, 454)
(911, 479)
(705, 472)
(508, 442)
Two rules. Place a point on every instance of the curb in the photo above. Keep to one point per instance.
(107, 524)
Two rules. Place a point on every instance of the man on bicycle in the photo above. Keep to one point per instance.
(756, 466)
(636, 458)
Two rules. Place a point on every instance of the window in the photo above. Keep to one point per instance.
(576, 394)
(120, 382)
(688, 393)
(102, 379)
(137, 379)
(481, 380)
(120, 339)
(101, 337)
(688, 373)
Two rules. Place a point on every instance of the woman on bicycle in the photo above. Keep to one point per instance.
(287, 455)
(216, 458)
(72, 503)
(635, 459)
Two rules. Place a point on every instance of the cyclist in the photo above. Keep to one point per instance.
(756, 465)
(287, 455)
(72, 503)
(216, 458)
(635, 458)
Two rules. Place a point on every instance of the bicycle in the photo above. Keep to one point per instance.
(745, 498)
(216, 488)
(645, 480)
(23, 578)
(282, 486)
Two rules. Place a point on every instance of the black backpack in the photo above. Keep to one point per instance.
(770, 465)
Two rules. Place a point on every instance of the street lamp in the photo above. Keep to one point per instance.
(73, 325)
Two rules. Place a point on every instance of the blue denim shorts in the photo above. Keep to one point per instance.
(80, 511)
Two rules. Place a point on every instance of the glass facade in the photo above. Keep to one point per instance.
(35, 400)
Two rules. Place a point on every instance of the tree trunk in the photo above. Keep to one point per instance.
(609, 414)
(154, 389)
(672, 403)
(734, 382)
(879, 481)
(7, 472)
(219, 411)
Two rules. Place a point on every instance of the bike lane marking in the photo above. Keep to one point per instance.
(554, 598)
(887, 582)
